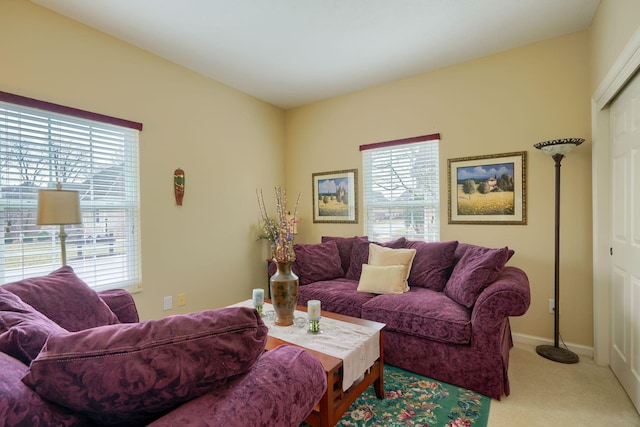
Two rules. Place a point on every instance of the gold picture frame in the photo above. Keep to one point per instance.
(335, 196)
(488, 189)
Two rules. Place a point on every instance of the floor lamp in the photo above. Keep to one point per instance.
(557, 149)
(59, 207)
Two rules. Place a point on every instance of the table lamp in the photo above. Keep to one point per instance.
(59, 207)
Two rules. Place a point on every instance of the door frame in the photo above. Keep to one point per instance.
(622, 70)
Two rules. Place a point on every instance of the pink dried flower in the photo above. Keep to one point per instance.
(279, 230)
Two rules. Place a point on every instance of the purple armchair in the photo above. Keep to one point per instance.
(103, 367)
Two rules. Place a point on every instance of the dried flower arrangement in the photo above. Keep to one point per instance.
(278, 230)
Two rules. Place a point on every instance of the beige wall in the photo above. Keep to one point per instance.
(227, 142)
(502, 103)
(612, 27)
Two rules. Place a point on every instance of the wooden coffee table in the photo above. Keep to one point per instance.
(335, 401)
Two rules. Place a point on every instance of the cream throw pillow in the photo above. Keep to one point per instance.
(381, 256)
(389, 279)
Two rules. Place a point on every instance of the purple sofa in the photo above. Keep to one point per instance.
(452, 324)
(72, 357)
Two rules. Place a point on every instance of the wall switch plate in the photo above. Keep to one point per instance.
(552, 306)
(168, 303)
(182, 299)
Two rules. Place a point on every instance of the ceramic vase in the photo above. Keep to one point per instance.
(284, 293)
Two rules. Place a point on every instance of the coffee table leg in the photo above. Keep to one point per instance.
(327, 402)
(324, 411)
(378, 384)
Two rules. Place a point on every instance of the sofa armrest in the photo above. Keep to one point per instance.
(122, 304)
(508, 296)
(280, 390)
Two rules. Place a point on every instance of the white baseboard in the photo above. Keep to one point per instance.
(530, 341)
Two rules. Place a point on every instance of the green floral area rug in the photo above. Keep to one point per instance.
(414, 400)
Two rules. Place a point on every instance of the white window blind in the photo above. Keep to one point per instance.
(402, 189)
(40, 148)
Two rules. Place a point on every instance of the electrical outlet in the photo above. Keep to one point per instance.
(552, 306)
(182, 299)
(168, 303)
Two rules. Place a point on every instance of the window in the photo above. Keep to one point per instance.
(42, 144)
(402, 189)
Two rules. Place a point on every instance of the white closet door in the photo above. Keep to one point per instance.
(625, 191)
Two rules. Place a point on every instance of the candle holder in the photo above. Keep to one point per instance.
(258, 300)
(314, 327)
(313, 313)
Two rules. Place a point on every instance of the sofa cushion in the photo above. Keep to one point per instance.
(122, 304)
(422, 313)
(387, 279)
(432, 264)
(345, 246)
(319, 261)
(131, 373)
(399, 243)
(64, 298)
(385, 256)
(462, 248)
(21, 406)
(282, 388)
(476, 270)
(360, 254)
(338, 296)
(23, 330)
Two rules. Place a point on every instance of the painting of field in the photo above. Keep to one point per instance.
(492, 203)
(329, 206)
(334, 196)
(488, 189)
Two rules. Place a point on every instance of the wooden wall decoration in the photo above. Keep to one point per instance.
(178, 185)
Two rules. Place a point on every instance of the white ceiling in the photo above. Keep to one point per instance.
(293, 52)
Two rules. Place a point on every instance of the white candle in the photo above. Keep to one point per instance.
(313, 309)
(258, 297)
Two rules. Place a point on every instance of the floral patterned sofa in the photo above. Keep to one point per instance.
(446, 305)
(72, 357)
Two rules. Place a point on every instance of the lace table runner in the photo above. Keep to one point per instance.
(357, 346)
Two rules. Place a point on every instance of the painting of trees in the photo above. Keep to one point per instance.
(469, 187)
(486, 190)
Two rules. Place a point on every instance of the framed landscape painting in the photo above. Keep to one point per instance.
(488, 189)
(334, 196)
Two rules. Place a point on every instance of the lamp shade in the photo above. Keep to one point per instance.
(58, 207)
(559, 146)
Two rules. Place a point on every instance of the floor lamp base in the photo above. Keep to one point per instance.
(557, 354)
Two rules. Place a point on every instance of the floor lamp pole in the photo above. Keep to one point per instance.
(555, 352)
(556, 274)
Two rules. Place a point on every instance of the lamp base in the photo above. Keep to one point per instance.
(557, 354)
